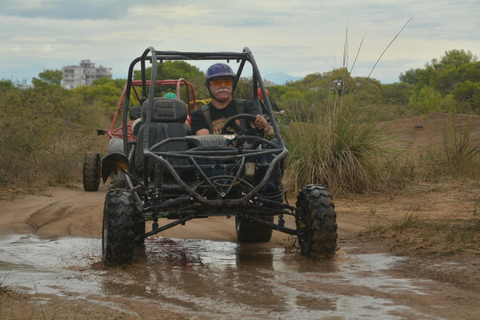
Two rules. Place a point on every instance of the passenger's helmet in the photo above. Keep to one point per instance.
(260, 93)
(170, 95)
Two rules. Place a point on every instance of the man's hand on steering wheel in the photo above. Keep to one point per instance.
(259, 130)
(260, 122)
(232, 125)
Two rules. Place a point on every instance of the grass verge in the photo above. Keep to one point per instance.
(415, 233)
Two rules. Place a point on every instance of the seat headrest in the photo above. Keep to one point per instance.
(135, 113)
(166, 110)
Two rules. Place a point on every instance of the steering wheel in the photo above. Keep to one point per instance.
(231, 123)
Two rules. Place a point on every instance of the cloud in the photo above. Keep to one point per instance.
(63, 9)
(46, 48)
(295, 37)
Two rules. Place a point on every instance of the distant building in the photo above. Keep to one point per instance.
(84, 74)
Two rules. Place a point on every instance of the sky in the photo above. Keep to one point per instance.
(296, 37)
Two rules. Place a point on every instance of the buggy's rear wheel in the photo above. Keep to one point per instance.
(118, 228)
(248, 231)
(91, 171)
(316, 222)
(139, 229)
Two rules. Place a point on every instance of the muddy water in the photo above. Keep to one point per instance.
(212, 278)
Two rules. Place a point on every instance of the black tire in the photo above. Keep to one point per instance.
(92, 168)
(316, 222)
(138, 230)
(248, 231)
(118, 228)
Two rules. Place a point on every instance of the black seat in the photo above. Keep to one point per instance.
(167, 121)
(135, 113)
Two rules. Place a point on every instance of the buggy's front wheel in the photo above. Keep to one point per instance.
(316, 222)
(118, 228)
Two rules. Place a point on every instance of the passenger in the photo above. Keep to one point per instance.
(275, 107)
(219, 81)
(170, 95)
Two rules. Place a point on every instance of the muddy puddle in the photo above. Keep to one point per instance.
(213, 278)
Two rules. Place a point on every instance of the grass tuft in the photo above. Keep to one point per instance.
(338, 149)
(433, 236)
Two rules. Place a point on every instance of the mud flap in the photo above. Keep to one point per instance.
(111, 164)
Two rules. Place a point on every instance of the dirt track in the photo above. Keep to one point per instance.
(59, 212)
(440, 286)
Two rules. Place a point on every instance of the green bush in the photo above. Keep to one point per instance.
(44, 135)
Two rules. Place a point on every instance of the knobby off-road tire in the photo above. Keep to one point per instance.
(249, 232)
(139, 229)
(316, 222)
(91, 171)
(118, 228)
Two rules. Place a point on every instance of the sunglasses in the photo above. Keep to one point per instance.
(226, 82)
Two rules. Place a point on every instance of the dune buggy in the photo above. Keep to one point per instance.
(171, 176)
(92, 166)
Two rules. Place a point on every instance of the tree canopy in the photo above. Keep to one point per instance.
(48, 78)
(176, 70)
(451, 82)
(454, 67)
(456, 75)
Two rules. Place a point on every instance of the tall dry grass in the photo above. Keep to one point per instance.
(457, 157)
(339, 149)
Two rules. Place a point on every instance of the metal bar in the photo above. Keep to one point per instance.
(273, 225)
(165, 227)
(126, 104)
(165, 204)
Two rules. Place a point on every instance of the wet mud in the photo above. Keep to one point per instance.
(218, 279)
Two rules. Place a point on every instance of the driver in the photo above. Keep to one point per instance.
(211, 117)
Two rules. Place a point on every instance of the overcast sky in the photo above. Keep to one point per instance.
(290, 36)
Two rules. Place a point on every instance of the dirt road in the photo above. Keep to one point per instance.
(57, 232)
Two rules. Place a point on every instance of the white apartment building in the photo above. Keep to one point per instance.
(84, 74)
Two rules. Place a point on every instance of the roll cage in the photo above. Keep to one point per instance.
(202, 145)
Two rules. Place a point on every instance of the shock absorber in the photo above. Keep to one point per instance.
(197, 176)
(158, 181)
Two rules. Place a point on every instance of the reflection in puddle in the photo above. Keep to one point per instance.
(212, 278)
(43, 265)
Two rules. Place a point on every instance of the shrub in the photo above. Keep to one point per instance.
(337, 150)
(44, 135)
(456, 157)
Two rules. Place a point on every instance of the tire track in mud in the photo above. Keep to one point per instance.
(52, 213)
(64, 219)
(67, 212)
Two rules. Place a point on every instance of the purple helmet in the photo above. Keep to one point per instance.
(219, 70)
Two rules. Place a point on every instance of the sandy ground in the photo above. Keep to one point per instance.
(56, 212)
